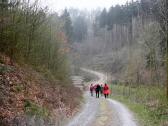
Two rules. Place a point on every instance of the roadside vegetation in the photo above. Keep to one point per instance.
(148, 103)
(30, 97)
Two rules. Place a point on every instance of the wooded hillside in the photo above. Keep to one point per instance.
(34, 67)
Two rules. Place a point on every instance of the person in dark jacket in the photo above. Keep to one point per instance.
(101, 91)
(98, 89)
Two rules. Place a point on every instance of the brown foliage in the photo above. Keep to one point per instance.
(20, 84)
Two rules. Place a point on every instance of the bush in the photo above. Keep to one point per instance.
(33, 109)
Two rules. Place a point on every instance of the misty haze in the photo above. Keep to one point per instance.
(83, 63)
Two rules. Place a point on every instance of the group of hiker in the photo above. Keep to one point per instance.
(100, 90)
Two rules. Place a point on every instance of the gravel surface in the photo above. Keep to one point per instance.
(102, 112)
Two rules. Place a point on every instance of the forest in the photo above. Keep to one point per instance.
(34, 66)
(129, 44)
(30, 35)
(40, 51)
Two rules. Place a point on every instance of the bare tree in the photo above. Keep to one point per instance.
(162, 14)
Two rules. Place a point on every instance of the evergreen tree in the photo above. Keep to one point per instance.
(68, 29)
(103, 18)
(79, 29)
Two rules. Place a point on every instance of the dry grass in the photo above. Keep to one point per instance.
(25, 93)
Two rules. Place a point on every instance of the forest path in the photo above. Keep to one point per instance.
(102, 112)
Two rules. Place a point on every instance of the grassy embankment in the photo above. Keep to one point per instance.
(148, 103)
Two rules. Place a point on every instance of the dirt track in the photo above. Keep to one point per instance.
(102, 112)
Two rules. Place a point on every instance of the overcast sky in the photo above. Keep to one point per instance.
(57, 5)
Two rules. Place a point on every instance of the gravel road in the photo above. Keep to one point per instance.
(102, 112)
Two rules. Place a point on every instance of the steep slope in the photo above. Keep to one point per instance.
(28, 97)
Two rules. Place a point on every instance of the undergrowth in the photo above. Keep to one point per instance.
(34, 109)
(148, 102)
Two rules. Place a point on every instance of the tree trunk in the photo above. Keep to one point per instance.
(167, 46)
(167, 65)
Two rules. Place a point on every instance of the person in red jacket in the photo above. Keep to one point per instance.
(106, 91)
